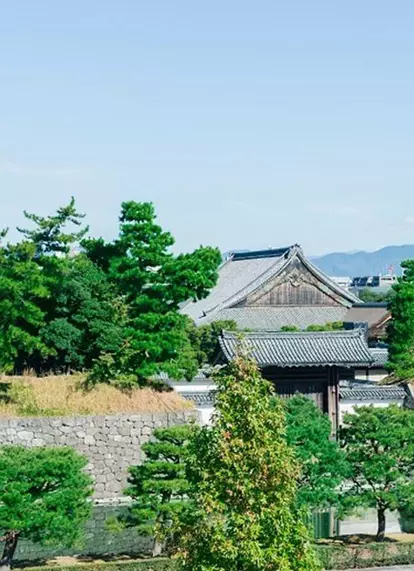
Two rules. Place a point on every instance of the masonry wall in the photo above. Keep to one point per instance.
(111, 443)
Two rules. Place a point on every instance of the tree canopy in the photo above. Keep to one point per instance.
(323, 465)
(159, 487)
(68, 302)
(244, 479)
(401, 328)
(44, 495)
(379, 448)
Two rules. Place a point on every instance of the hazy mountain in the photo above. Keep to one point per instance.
(365, 263)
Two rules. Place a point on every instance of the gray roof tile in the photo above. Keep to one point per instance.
(243, 274)
(380, 357)
(373, 393)
(274, 318)
(305, 349)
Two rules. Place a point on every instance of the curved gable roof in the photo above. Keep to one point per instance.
(244, 273)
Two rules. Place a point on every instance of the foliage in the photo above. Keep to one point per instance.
(368, 295)
(43, 496)
(331, 556)
(401, 328)
(22, 288)
(153, 282)
(112, 308)
(379, 447)
(159, 487)
(332, 326)
(87, 318)
(323, 464)
(244, 479)
(205, 339)
(366, 555)
(49, 235)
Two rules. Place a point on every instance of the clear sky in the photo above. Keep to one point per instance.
(248, 123)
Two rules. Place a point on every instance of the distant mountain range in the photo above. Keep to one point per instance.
(365, 263)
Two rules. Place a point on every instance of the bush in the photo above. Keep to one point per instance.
(365, 556)
(331, 556)
(159, 564)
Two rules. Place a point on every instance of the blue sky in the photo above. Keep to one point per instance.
(248, 124)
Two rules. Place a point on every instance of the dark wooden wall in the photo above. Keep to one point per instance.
(317, 383)
(295, 286)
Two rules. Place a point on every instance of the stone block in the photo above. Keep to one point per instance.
(25, 435)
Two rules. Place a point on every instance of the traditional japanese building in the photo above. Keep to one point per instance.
(309, 363)
(272, 289)
(266, 292)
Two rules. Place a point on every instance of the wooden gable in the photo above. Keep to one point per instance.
(295, 285)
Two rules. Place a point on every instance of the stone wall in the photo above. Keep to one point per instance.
(111, 443)
(98, 540)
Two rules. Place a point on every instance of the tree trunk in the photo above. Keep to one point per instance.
(381, 524)
(156, 550)
(10, 544)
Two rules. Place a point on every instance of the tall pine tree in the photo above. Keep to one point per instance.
(153, 282)
(401, 329)
(159, 487)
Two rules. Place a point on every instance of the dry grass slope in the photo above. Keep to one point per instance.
(61, 396)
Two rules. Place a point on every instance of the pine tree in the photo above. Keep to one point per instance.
(401, 329)
(153, 282)
(379, 447)
(244, 479)
(50, 235)
(44, 497)
(23, 291)
(159, 487)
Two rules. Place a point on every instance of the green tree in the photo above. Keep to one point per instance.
(43, 497)
(87, 319)
(368, 295)
(323, 465)
(60, 310)
(204, 339)
(50, 234)
(49, 244)
(379, 447)
(401, 328)
(332, 326)
(153, 283)
(244, 478)
(159, 487)
(23, 288)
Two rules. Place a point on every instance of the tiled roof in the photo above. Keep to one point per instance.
(274, 318)
(380, 357)
(372, 393)
(304, 349)
(238, 276)
(244, 273)
(199, 398)
(368, 313)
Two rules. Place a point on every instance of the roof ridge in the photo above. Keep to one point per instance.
(321, 274)
(236, 297)
(357, 332)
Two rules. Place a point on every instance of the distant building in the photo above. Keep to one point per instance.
(269, 289)
(266, 291)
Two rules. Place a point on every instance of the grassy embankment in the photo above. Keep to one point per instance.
(66, 396)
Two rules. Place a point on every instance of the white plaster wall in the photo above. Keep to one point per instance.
(371, 375)
(201, 387)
